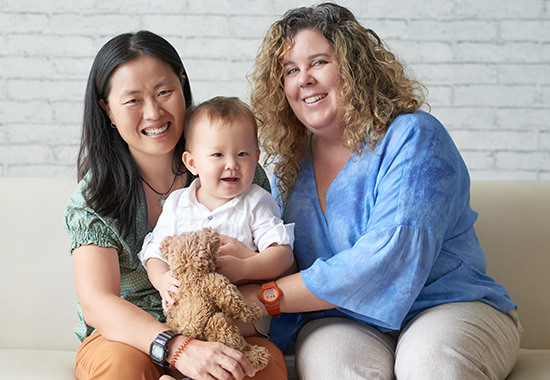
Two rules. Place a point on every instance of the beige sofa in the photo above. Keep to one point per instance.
(38, 296)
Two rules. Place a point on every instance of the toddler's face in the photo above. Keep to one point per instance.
(224, 155)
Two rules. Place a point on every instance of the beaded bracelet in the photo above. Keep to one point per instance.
(180, 350)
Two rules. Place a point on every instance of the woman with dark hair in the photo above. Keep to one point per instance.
(130, 160)
(392, 280)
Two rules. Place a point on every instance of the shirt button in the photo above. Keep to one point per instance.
(210, 217)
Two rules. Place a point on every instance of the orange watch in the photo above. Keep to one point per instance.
(271, 295)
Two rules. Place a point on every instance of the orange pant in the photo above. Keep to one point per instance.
(101, 359)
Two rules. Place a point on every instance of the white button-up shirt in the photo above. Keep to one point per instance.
(252, 218)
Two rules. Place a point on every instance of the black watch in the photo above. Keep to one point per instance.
(159, 349)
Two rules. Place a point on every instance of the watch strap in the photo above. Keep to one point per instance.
(274, 310)
(162, 340)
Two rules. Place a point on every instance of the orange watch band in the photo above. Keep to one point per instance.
(271, 295)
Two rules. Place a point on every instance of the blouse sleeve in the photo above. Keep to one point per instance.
(85, 226)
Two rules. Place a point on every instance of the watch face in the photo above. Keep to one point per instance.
(270, 295)
(157, 352)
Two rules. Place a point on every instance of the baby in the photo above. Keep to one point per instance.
(222, 150)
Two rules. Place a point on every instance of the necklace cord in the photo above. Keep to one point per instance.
(151, 187)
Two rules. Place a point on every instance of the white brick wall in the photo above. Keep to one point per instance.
(485, 62)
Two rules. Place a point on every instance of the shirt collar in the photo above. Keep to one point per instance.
(190, 198)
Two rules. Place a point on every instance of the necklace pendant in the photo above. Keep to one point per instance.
(162, 199)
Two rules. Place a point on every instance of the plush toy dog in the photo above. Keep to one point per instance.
(207, 302)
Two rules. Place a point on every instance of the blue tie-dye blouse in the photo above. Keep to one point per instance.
(397, 235)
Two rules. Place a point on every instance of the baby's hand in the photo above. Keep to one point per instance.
(231, 267)
(168, 285)
(232, 247)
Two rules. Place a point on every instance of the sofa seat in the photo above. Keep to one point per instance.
(36, 364)
(531, 365)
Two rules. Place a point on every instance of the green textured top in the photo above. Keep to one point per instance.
(85, 227)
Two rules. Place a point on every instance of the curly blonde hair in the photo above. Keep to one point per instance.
(375, 87)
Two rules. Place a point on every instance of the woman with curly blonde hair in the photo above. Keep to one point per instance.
(392, 280)
(374, 90)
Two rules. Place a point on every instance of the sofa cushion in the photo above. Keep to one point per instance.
(39, 301)
(513, 228)
(37, 364)
(531, 365)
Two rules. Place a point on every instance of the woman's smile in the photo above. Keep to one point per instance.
(156, 131)
(314, 99)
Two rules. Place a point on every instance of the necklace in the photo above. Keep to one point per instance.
(162, 196)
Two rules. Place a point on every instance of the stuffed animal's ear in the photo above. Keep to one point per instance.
(207, 243)
(210, 240)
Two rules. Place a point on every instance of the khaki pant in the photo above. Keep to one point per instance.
(101, 359)
(469, 340)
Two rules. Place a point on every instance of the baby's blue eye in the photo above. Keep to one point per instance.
(217, 154)
(242, 154)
